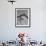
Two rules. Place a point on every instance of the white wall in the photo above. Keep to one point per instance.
(37, 30)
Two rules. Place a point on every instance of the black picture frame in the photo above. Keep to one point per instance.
(19, 12)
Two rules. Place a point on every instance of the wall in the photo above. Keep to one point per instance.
(37, 30)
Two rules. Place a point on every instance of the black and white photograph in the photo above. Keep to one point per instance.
(22, 17)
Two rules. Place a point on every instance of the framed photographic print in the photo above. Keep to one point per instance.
(22, 17)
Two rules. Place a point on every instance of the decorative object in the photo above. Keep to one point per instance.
(22, 17)
(21, 36)
(12, 1)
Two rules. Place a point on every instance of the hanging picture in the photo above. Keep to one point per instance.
(22, 17)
